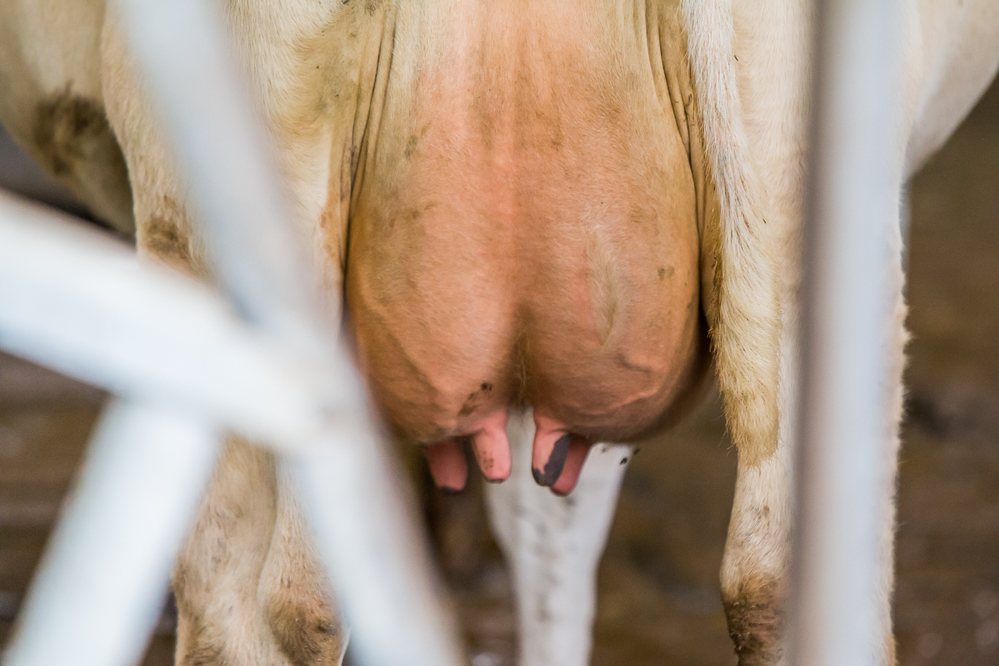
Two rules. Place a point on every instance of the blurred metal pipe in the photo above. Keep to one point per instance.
(846, 319)
(74, 300)
(397, 617)
(99, 590)
(78, 302)
(198, 90)
(394, 608)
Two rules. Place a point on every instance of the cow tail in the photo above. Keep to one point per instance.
(744, 315)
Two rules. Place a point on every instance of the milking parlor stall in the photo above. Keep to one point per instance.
(120, 379)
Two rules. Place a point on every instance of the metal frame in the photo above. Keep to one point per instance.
(851, 241)
(187, 367)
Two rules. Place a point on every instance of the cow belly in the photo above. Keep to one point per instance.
(525, 233)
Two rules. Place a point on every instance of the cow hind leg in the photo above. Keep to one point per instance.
(248, 585)
(755, 568)
(215, 579)
(553, 545)
(294, 591)
(754, 576)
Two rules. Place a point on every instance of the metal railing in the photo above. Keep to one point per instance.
(848, 312)
(186, 368)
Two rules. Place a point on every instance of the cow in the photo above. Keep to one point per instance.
(542, 225)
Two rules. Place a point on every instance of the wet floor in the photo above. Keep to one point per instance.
(659, 598)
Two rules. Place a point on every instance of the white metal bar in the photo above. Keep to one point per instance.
(383, 571)
(221, 147)
(78, 302)
(98, 592)
(845, 336)
(197, 85)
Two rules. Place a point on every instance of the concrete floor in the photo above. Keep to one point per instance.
(659, 598)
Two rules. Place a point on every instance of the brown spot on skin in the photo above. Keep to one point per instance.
(476, 399)
(64, 125)
(199, 648)
(70, 137)
(306, 631)
(411, 146)
(755, 621)
(164, 234)
(203, 656)
(165, 240)
(347, 175)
